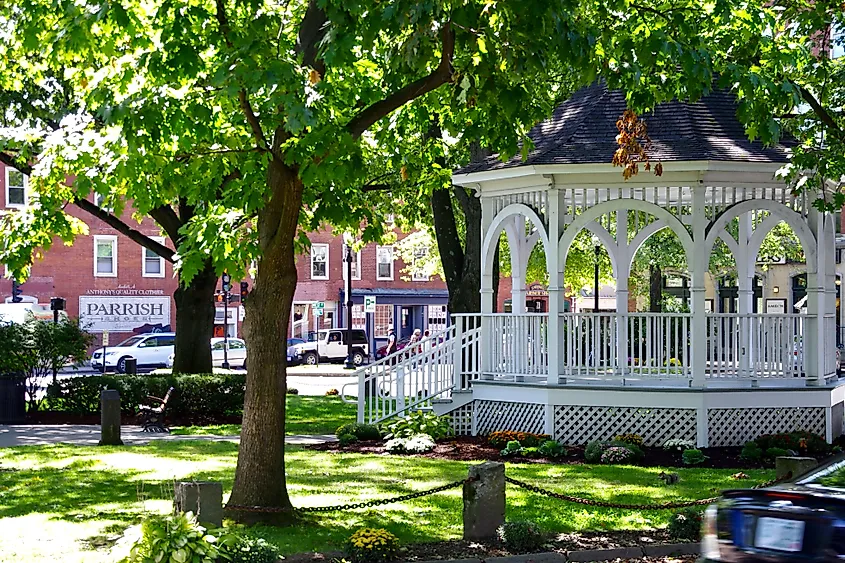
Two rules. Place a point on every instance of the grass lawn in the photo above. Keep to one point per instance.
(59, 503)
(305, 415)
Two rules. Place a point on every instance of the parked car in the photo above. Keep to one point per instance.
(803, 520)
(331, 346)
(236, 355)
(149, 350)
(400, 344)
(295, 341)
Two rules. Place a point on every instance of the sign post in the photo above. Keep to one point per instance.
(105, 345)
(369, 304)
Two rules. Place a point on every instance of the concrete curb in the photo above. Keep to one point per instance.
(584, 556)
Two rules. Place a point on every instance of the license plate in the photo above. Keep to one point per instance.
(779, 534)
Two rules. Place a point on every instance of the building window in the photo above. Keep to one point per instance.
(359, 317)
(16, 184)
(436, 318)
(319, 261)
(384, 263)
(418, 270)
(152, 265)
(837, 42)
(383, 320)
(356, 264)
(105, 256)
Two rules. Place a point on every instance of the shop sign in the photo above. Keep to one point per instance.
(124, 290)
(775, 306)
(536, 290)
(122, 314)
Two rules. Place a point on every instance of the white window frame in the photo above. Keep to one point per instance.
(25, 189)
(311, 261)
(144, 251)
(379, 277)
(414, 270)
(113, 240)
(357, 268)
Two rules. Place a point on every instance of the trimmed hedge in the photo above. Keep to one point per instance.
(195, 396)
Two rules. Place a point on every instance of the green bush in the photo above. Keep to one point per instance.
(686, 524)
(552, 449)
(693, 457)
(806, 443)
(593, 451)
(360, 431)
(521, 536)
(293, 391)
(206, 396)
(631, 439)
(347, 439)
(777, 452)
(512, 448)
(751, 452)
(419, 422)
(530, 452)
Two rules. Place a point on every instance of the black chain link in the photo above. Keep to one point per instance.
(351, 506)
(655, 506)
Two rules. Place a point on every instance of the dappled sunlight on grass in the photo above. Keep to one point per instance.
(82, 491)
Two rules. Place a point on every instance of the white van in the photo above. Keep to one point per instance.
(150, 350)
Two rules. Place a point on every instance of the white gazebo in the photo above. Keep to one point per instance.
(716, 379)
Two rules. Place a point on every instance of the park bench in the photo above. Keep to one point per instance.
(152, 416)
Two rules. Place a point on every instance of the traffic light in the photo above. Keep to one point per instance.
(218, 297)
(244, 290)
(227, 282)
(16, 292)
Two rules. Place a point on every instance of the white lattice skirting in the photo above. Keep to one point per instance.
(492, 416)
(578, 424)
(462, 419)
(735, 427)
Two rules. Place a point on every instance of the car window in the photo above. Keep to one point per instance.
(335, 337)
(830, 477)
(131, 341)
(149, 343)
(323, 335)
(236, 345)
(359, 337)
(166, 340)
(217, 346)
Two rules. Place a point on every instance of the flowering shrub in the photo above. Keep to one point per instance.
(673, 362)
(616, 454)
(332, 392)
(805, 443)
(372, 545)
(678, 445)
(634, 439)
(526, 439)
(416, 444)
(686, 524)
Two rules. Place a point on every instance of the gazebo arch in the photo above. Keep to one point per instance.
(494, 231)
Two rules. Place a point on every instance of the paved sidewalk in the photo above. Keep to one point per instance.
(89, 435)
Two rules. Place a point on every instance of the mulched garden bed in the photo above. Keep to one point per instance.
(476, 448)
(461, 549)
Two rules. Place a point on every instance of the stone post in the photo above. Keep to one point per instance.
(484, 500)
(794, 465)
(203, 498)
(110, 418)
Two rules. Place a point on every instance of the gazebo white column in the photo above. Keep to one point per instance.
(623, 268)
(555, 214)
(745, 289)
(699, 264)
(487, 214)
(821, 295)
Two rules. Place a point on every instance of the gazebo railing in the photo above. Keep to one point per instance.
(755, 345)
(518, 345)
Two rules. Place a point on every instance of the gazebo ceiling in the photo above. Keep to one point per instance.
(583, 130)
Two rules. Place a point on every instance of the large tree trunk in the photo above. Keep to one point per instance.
(195, 323)
(655, 289)
(260, 473)
(461, 265)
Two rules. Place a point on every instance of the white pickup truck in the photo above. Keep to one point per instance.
(331, 346)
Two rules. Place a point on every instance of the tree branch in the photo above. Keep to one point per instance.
(166, 217)
(823, 114)
(439, 76)
(311, 32)
(124, 229)
(13, 162)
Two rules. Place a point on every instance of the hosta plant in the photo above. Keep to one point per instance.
(419, 422)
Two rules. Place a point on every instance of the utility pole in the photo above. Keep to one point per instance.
(349, 364)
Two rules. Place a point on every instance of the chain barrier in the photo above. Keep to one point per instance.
(351, 506)
(655, 506)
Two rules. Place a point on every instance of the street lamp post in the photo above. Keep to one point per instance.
(596, 282)
(349, 363)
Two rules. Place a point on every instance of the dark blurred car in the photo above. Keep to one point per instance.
(293, 356)
(400, 344)
(803, 520)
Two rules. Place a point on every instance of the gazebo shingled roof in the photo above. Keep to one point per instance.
(583, 130)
